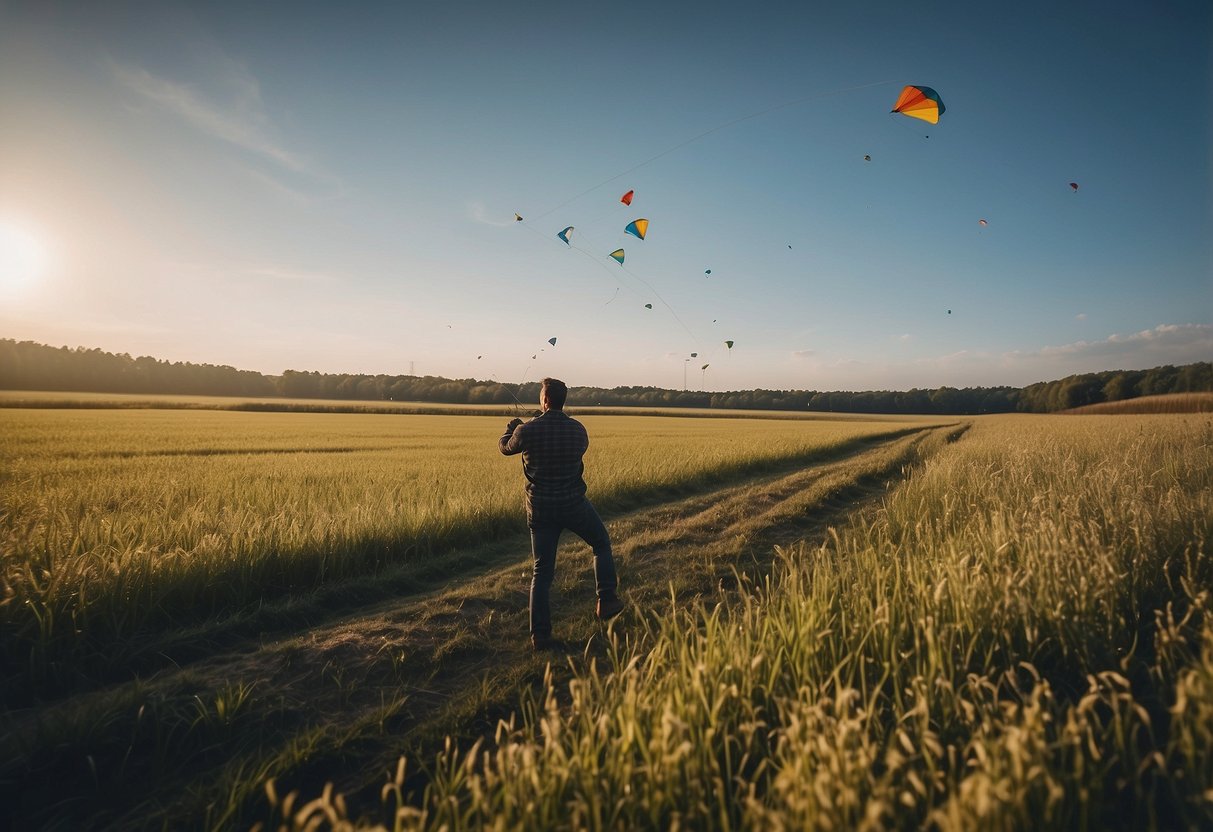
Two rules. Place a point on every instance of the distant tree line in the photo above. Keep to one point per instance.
(27, 365)
(1115, 386)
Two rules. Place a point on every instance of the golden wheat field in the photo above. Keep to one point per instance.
(117, 521)
(1002, 623)
(1020, 639)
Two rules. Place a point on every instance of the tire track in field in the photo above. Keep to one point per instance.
(357, 692)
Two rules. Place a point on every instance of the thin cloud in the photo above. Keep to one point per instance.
(959, 355)
(293, 194)
(1177, 342)
(478, 213)
(1164, 344)
(803, 353)
(240, 272)
(288, 274)
(243, 124)
(1081, 316)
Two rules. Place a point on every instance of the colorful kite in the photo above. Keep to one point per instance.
(919, 102)
(638, 228)
(564, 235)
(982, 223)
(626, 199)
(618, 255)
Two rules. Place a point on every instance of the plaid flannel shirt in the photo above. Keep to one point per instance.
(551, 446)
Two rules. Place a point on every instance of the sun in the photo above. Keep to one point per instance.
(23, 256)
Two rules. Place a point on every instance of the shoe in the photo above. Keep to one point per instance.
(542, 643)
(608, 608)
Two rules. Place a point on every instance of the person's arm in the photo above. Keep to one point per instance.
(510, 442)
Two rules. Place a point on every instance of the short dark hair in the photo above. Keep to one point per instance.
(556, 391)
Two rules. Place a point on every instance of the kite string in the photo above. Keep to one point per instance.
(717, 128)
(517, 404)
(630, 273)
(645, 283)
(664, 302)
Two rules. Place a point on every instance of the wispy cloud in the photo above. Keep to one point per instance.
(1181, 343)
(1163, 344)
(241, 121)
(477, 212)
(288, 273)
(1081, 316)
(803, 353)
(242, 272)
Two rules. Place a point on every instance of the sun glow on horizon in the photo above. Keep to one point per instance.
(23, 255)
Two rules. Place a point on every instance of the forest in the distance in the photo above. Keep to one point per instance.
(27, 365)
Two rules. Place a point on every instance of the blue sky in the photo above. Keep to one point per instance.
(333, 188)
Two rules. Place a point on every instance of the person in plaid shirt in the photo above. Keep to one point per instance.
(552, 445)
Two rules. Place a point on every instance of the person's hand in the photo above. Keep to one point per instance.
(514, 423)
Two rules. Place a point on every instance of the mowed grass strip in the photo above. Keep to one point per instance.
(119, 524)
(1021, 639)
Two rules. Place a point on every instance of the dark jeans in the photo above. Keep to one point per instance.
(583, 521)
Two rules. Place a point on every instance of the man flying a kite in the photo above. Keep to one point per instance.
(552, 445)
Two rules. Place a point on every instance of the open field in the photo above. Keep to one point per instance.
(1020, 639)
(852, 626)
(38, 399)
(121, 523)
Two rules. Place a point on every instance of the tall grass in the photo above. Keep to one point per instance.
(1019, 640)
(1163, 403)
(115, 524)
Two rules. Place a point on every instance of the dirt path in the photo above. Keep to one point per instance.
(343, 700)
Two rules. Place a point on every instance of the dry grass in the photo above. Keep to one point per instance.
(1021, 640)
(1167, 403)
(346, 691)
(38, 399)
(118, 524)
